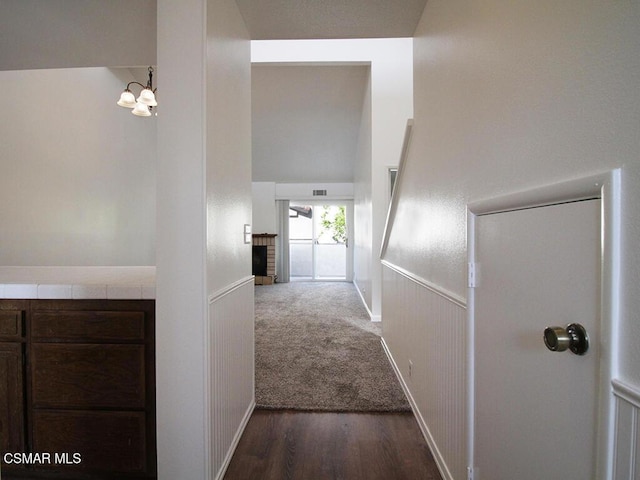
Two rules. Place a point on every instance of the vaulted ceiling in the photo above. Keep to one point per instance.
(306, 119)
(305, 122)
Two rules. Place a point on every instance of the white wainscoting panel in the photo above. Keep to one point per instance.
(427, 327)
(231, 370)
(627, 432)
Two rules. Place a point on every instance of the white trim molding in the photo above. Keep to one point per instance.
(626, 392)
(235, 441)
(422, 424)
(605, 186)
(372, 317)
(450, 296)
(230, 372)
(214, 297)
(395, 195)
(424, 334)
(626, 461)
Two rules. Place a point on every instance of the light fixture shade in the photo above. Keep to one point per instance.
(141, 110)
(147, 97)
(127, 99)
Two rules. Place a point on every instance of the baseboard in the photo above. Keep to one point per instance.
(437, 456)
(372, 317)
(236, 439)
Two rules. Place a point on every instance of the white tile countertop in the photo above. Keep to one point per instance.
(112, 283)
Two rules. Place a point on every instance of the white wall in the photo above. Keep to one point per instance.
(305, 121)
(304, 191)
(78, 172)
(363, 252)
(77, 33)
(228, 144)
(391, 99)
(181, 247)
(264, 207)
(229, 362)
(204, 346)
(511, 95)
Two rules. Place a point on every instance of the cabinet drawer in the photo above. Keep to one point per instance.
(106, 441)
(11, 323)
(87, 326)
(87, 375)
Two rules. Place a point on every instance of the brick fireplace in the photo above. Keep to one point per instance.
(264, 259)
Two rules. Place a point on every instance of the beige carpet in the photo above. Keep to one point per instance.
(317, 350)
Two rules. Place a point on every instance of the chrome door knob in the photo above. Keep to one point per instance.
(574, 337)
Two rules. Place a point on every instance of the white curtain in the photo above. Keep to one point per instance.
(282, 241)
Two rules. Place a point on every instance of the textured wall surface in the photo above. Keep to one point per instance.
(511, 96)
(203, 264)
(78, 180)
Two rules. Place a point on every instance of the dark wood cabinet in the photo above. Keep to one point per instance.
(12, 372)
(81, 377)
(12, 320)
(11, 398)
(111, 442)
(87, 376)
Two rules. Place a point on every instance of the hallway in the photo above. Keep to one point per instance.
(303, 442)
(317, 350)
(281, 444)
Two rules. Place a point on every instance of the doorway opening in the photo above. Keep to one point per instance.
(319, 241)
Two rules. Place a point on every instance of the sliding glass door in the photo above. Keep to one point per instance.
(319, 241)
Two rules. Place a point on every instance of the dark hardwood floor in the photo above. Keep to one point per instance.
(292, 445)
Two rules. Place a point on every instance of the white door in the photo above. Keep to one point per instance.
(535, 409)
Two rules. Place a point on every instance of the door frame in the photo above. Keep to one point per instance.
(606, 187)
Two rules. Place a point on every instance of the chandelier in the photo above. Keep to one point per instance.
(142, 105)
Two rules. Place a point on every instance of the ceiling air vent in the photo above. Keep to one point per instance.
(319, 193)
